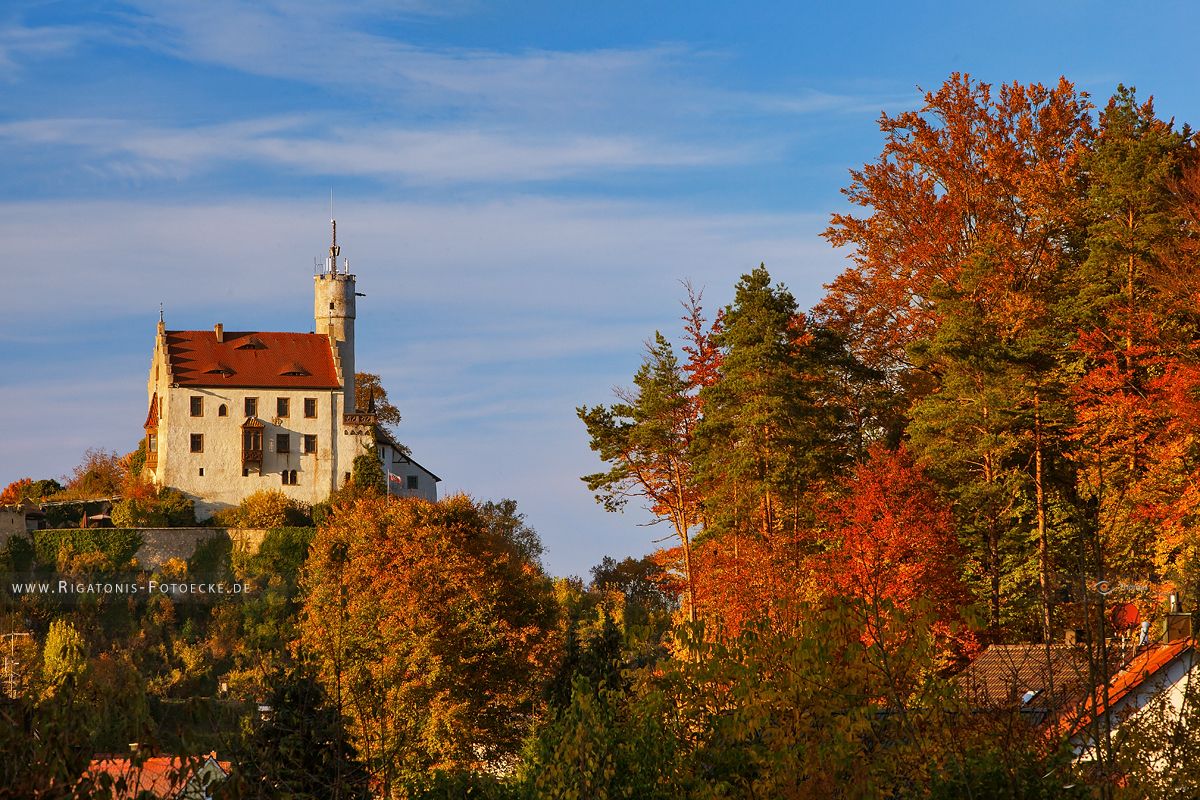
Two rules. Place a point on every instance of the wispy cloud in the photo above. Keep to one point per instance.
(20, 45)
(303, 146)
(340, 48)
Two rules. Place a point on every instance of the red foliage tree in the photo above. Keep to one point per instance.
(15, 491)
(893, 540)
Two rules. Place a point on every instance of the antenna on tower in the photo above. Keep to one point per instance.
(160, 312)
(334, 250)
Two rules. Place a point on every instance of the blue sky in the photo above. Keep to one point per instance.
(520, 189)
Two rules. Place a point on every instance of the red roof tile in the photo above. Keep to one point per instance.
(1018, 675)
(252, 359)
(160, 776)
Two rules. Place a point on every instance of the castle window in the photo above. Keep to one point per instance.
(251, 406)
(283, 443)
(281, 406)
(310, 407)
(310, 443)
(245, 472)
(197, 442)
(222, 411)
(412, 482)
(202, 472)
(152, 443)
(289, 477)
(197, 406)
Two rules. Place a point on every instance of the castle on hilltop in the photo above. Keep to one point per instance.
(234, 412)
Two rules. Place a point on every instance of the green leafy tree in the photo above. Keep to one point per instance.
(64, 654)
(367, 473)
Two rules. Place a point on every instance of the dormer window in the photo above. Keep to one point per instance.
(253, 343)
(224, 370)
(296, 370)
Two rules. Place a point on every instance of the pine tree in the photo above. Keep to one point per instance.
(646, 438)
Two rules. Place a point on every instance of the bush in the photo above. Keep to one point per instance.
(269, 508)
(170, 508)
(272, 509)
(367, 473)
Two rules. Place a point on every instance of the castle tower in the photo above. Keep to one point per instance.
(333, 315)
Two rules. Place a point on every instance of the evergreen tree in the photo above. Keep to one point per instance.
(646, 438)
(767, 432)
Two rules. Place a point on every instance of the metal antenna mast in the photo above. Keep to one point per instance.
(334, 250)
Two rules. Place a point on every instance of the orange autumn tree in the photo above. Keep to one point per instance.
(430, 630)
(16, 491)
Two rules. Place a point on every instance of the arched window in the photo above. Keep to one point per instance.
(222, 411)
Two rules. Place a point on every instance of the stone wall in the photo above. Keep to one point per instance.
(12, 520)
(161, 544)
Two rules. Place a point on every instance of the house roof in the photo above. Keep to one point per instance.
(1027, 676)
(248, 359)
(1140, 669)
(160, 776)
(402, 453)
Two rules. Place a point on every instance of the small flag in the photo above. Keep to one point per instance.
(395, 478)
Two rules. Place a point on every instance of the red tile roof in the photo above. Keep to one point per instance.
(1140, 669)
(1005, 675)
(160, 776)
(252, 359)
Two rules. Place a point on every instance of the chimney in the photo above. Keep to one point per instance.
(219, 329)
(1179, 626)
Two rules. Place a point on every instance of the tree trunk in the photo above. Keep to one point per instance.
(1043, 535)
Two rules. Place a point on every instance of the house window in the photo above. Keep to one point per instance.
(310, 407)
(252, 440)
(283, 443)
(281, 407)
(251, 406)
(197, 406)
(412, 482)
(310, 443)
(197, 442)
(289, 477)
(222, 411)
